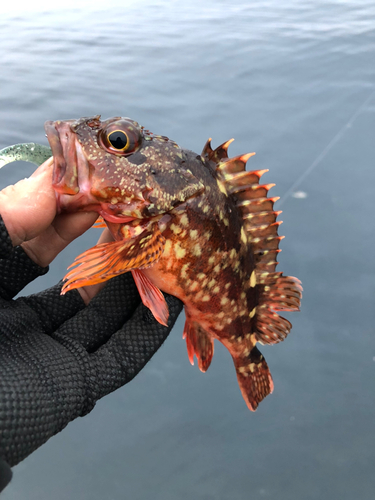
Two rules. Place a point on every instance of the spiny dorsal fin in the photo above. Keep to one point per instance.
(259, 218)
(207, 149)
(276, 292)
(241, 181)
(217, 154)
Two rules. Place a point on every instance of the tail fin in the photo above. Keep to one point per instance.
(254, 378)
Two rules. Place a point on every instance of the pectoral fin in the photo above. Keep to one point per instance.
(107, 260)
(100, 223)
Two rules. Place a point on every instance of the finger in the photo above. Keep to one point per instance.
(106, 313)
(52, 308)
(29, 206)
(62, 230)
(46, 166)
(128, 350)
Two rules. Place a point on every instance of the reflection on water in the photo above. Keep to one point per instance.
(284, 80)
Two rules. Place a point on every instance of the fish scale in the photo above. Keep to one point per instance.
(199, 227)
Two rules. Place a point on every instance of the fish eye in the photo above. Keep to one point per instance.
(118, 139)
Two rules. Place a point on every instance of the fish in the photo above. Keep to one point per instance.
(198, 226)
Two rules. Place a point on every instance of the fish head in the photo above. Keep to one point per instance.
(117, 168)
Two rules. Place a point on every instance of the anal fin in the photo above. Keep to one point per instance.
(151, 297)
(254, 377)
(198, 342)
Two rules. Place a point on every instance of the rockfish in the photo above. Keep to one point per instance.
(199, 227)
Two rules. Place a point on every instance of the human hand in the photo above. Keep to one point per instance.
(29, 211)
(58, 356)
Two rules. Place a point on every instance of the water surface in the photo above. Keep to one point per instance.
(294, 82)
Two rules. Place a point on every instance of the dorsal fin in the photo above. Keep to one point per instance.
(276, 292)
(217, 154)
(207, 149)
(230, 166)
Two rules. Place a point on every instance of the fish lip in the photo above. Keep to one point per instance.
(53, 137)
(71, 171)
(64, 151)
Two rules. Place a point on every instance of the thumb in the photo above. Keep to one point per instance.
(29, 206)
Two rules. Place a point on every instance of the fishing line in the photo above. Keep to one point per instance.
(320, 157)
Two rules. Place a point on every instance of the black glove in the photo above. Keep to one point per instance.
(58, 356)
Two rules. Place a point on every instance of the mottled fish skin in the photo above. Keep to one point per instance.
(149, 182)
(207, 264)
(196, 226)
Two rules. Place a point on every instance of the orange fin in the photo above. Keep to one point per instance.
(200, 343)
(99, 223)
(260, 231)
(217, 154)
(254, 378)
(276, 293)
(151, 297)
(107, 260)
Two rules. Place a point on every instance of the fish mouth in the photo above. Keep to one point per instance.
(71, 172)
(65, 170)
